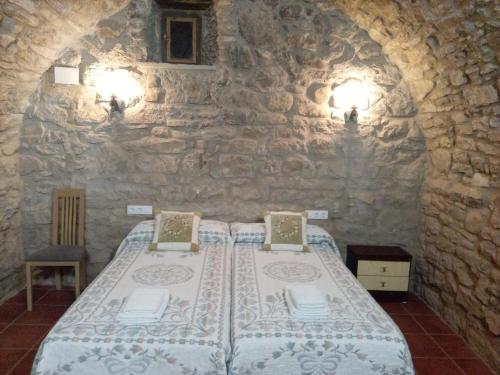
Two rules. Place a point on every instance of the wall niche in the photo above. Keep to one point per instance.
(183, 32)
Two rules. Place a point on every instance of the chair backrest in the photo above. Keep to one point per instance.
(68, 217)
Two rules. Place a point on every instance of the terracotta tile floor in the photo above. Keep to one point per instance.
(435, 349)
(21, 331)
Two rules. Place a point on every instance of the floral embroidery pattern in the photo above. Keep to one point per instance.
(176, 228)
(135, 360)
(163, 274)
(314, 358)
(358, 333)
(94, 340)
(286, 227)
(292, 271)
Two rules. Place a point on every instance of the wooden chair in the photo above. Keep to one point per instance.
(67, 241)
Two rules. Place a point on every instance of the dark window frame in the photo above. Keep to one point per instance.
(167, 17)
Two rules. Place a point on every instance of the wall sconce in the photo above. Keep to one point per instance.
(351, 96)
(351, 116)
(117, 87)
(114, 106)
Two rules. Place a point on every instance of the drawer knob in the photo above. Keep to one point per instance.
(382, 284)
(384, 269)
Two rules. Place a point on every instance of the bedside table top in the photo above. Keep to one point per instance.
(374, 252)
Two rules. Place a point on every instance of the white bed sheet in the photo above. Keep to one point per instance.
(359, 338)
(191, 338)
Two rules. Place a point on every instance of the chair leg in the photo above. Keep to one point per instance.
(83, 277)
(58, 278)
(77, 279)
(29, 291)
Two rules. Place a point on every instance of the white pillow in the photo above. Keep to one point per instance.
(248, 232)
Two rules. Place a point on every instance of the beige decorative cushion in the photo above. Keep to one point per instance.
(286, 230)
(177, 231)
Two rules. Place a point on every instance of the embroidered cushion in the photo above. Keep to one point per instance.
(286, 230)
(176, 230)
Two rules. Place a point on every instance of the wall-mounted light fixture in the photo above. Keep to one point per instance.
(114, 106)
(117, 87)
(351, 96)
(351, 115)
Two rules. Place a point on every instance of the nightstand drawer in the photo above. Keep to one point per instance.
(384, 283)
(383, 268)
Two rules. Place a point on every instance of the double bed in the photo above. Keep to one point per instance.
(191, 338)
(226, 314)
(358, 338)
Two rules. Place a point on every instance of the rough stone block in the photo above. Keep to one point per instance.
(161, 164)
(240, 57)
(441, 158)
(474, 221)
(282, 146)
(279, 102)
(493, 321)
(30, 164)
(399, 102)
(237, 166)
(157, 145)
(257, 28)
(480, 95)
(457, 78)
(297, 165)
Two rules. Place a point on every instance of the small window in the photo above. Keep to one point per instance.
(183, 32)
(181, 39)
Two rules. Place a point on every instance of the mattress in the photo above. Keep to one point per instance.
(358, 338)
(191, 338)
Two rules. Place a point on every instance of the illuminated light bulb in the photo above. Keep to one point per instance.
(117, 85)
(351, 93)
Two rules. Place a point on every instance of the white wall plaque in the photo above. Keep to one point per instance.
(66, 75)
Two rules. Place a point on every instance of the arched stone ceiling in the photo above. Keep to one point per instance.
(432, 42)
(32, 34)
(421, 37)
(448, 52)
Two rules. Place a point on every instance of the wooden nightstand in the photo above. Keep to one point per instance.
(383, 270)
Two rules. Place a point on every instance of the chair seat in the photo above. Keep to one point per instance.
(57, 253)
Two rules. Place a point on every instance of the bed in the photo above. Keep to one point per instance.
(193, 334)
(359, 338)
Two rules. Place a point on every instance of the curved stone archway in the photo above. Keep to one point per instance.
(32, 35)
(446, 51)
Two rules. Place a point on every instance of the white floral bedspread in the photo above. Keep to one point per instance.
(191, 338)
(358, 339)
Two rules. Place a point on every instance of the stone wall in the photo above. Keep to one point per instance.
(448, 53)
(32, 34)
(253, 132)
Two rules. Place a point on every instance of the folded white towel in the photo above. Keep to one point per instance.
(307, 314)
(307, 297)
(144, 305)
